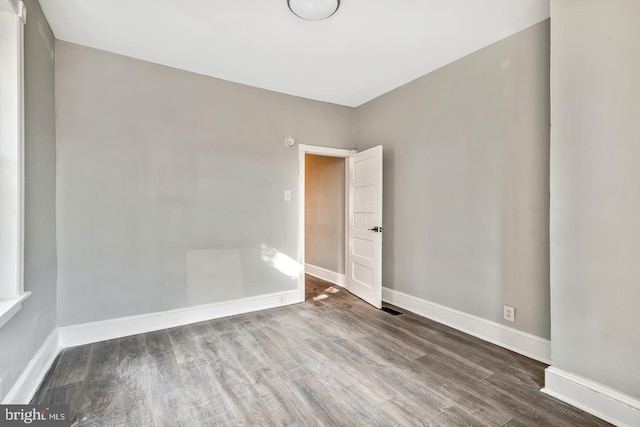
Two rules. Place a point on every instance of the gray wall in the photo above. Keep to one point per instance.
(170, 185)
(595, 191)
(466, 187)
(324, 212)
(23, 335)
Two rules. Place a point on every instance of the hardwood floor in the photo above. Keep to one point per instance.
(331, 361)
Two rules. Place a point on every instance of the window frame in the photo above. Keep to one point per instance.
(12, 292)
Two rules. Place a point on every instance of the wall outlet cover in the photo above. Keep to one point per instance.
(509, 313)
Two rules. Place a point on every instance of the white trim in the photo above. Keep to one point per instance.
(27, 384)
(612, 406)
(326, 151)
(347, 217)
(303, 150)
(12, 153)
(324, 274)
(125, 326)
(10, 306)
(301, 219)
(512, 339)
(22, 12)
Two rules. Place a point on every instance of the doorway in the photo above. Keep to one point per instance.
(345, 230)
(323, 213)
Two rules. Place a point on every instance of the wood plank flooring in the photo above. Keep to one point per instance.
(331, 361)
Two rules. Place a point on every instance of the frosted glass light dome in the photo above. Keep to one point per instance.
(313, 10)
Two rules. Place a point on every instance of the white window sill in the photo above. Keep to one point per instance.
(10, 306)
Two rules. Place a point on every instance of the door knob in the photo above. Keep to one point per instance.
(377, 229)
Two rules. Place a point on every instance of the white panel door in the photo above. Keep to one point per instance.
(364, 232)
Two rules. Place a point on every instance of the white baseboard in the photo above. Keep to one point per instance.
(25, 387)
(612, 406)
(512, 339)
(28, 383)
(324, 274)
(125, 326)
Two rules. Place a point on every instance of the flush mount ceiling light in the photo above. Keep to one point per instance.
(313, 10)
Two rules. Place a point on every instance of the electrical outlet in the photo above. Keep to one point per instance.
(509, 313)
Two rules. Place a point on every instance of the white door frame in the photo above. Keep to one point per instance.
(319, 151)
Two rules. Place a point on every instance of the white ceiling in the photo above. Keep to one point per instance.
(367, 48)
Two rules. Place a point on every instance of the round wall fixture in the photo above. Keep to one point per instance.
(289, 141)
(313, 10)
